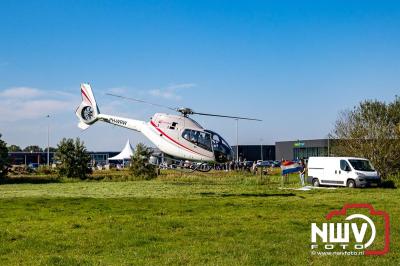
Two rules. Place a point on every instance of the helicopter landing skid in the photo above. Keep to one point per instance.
(200, 167)
(190, 167)
(184, 166)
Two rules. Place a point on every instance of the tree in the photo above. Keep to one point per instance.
(33, 148)
(74, 158)
(370, 130)
(140, 166)
(4, 160)
(14, 148)
(51, 149)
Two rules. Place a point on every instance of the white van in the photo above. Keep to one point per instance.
(341, 171)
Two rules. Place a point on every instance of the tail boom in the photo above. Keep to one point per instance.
(133, 124)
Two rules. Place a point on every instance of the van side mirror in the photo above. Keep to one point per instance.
(347, 169)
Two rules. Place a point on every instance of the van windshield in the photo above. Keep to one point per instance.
(362, 165)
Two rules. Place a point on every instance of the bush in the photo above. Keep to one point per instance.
(20, 170)
(73, 158)
(391, 181)
(388, 184)
(45, 170)
(140, 166)
(4, 160)
(370, 130)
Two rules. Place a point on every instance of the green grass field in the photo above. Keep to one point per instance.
(189, 219)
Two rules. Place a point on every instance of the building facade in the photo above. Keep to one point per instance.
(255, 152)
(26, 158)
(301, 149)
(288, 150)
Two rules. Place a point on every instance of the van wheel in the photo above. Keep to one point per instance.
(351, 183)
(315, 182)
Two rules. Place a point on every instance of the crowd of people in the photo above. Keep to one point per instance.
(241, 165)
(252, 166)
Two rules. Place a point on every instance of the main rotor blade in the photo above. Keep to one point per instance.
(141, 101)
(228, 116)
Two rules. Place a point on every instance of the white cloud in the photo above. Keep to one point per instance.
(20, 92)
(170, 92)
(23, 119)
(21, 103)
(181, 86)
(66, 94)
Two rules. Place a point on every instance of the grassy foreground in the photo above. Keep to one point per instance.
(190, 219)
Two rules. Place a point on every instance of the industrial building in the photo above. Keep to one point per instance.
(255, 152)
(287, 150)
(26, 158)
(301, 149)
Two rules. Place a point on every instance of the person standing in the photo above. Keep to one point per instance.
(254, 167)
(302, 172)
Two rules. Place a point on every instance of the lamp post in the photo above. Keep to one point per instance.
(48, 141)
(261, 146)
(237, 140)
(329, 148)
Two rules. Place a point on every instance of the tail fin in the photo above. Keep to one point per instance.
(87, 111)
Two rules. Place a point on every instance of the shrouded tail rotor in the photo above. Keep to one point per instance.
(88, 110)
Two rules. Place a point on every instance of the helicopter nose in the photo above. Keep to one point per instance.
(230, 155)
(224, 156)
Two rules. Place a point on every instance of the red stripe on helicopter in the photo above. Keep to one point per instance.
(84, 93)
(162, 132)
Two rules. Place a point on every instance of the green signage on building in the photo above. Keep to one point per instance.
(298, 144)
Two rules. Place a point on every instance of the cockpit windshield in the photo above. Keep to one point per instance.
(222, 151)
(218, 141)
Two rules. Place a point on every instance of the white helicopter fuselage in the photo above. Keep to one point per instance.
(165, 132)
(177, 136)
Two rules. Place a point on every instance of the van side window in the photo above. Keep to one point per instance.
(344, 166)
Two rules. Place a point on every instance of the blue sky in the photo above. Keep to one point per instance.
(294, 64)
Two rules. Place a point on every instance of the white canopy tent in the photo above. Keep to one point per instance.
(125, 154)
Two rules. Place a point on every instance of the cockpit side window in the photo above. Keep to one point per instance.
(201, 139)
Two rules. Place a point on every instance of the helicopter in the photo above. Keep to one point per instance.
(178, 136)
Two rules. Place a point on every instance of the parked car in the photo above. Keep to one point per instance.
(342, 171)
(275, 164)
(264, 163)
(248, 165)
(33, 166)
